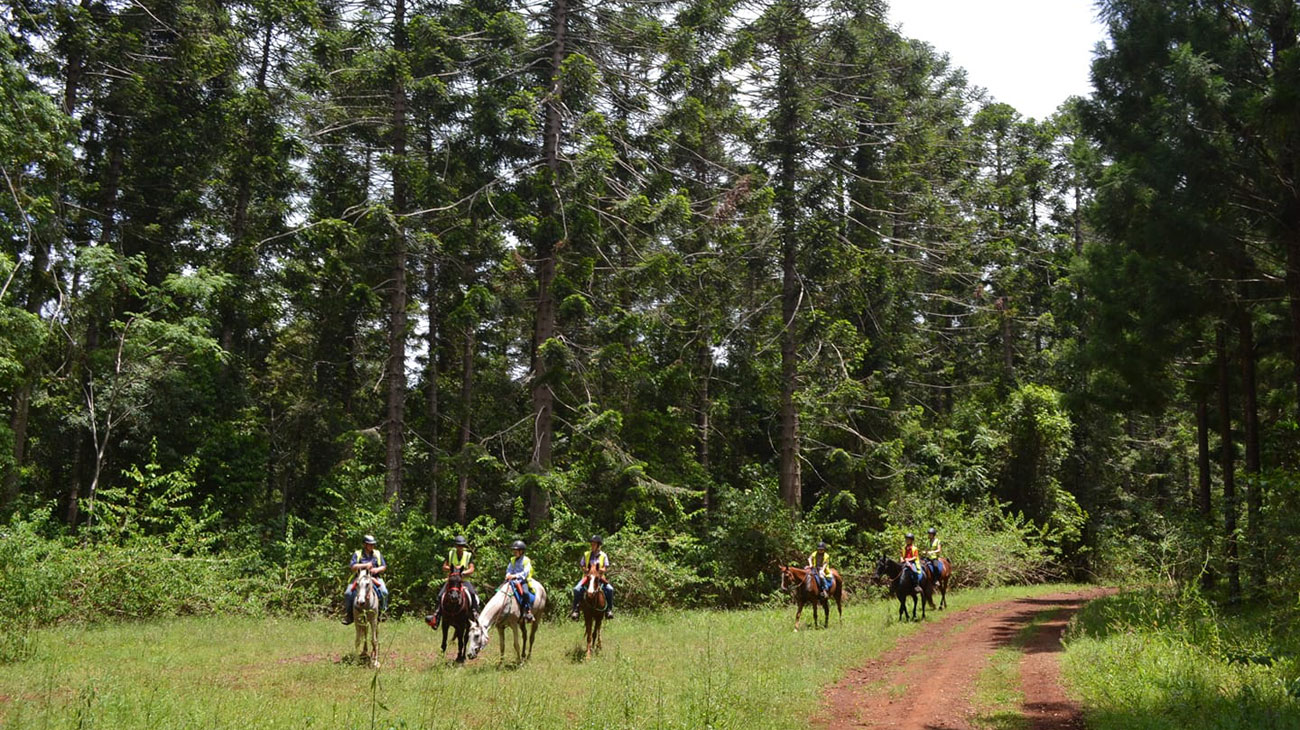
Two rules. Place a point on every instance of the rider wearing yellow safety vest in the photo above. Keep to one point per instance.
(594, 558)
(366, 557)
(912, 559)
(518, 571)
(460, 560)
(819, 563)
(932, 553)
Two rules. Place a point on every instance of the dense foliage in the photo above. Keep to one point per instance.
(717, 279)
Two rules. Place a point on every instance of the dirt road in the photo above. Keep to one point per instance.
(927, 680)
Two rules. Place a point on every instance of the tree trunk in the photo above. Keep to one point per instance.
(787, 142)
(431, 382)
(17, 424)
(107, 230)
(543, 398)
(702, 411)
(1226, 464)
(1250, 417)
(466, 420)
(396, 375)
(1293, 302)
(1204, 495)
(1008, 359)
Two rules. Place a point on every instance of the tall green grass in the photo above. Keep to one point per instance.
(1161, 659)
(689, 669)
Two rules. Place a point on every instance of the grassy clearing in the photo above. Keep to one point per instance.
(1153, 660)
(667, 670)
(998, 697)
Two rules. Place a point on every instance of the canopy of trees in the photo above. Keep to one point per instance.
(677, 269)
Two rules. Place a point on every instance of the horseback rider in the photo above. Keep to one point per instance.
(460, 560)
(518, 571)
(819, 563)
(594, 558)
(932, 554)
(912, 559)
(366, 557)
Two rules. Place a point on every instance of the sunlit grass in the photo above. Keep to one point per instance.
(998, 698)
(690, 669)
(1133, 671)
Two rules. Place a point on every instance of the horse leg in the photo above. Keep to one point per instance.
(600, 619)
(587, 620)
(530, 638)
(514, 634)
(798, 613)
(359, 645)
(374, 639)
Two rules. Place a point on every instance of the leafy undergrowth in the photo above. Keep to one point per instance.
(693, 669)
(1161, 659)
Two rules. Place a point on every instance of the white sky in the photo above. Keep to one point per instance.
(1031, 54)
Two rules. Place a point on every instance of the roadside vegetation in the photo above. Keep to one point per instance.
(1170, 659)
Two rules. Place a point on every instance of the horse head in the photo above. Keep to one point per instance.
(883, 568)
(788, 580)
(478, 639)
(364, 587)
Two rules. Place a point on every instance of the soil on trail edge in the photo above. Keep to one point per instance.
(925, 682)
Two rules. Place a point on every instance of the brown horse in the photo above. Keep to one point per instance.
(593, 609)
(941, 583)
(803, 584)
(455, 606)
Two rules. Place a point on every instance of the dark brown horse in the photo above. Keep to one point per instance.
(593, 609)
(944, 570)
(803, 583)
(456, 602)
(903, 583)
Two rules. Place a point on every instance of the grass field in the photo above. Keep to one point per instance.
(724, 669)
(1139, 661)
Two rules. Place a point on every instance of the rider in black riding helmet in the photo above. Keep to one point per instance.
(369, 557)
(459, 558)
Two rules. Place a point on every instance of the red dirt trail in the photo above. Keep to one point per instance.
(926, 681)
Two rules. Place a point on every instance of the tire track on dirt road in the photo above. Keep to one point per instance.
(926, 681)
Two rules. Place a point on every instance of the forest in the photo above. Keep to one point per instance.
(717, 279)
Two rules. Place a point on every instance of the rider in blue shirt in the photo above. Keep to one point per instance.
(366, 557)
(518, 571)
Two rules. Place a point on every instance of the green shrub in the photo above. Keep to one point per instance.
(1168, 658)
(52, 579)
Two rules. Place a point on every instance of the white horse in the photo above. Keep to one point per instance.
(365, 607)
(502, 611)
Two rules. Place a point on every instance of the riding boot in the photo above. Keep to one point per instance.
(577, 599)
(347, 616)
